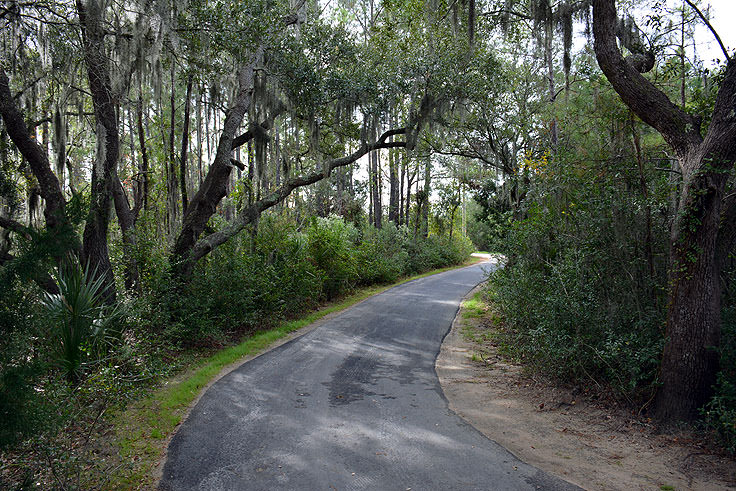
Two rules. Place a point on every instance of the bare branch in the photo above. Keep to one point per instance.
(707, 23)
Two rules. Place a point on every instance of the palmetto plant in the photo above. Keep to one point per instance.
(82, 325)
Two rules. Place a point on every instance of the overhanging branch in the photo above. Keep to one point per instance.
(205, 245)
(14, 226)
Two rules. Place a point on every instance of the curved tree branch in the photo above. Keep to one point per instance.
(14, 226)
(36, 157)
(678, 128)
(251, 213)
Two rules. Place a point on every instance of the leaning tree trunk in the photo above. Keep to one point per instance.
(105, 186)
(94, 242)
(204, 202)
(36, 157)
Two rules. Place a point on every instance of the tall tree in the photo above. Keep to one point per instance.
(702, 234)
(105, 187)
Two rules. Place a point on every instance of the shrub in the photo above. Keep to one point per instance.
(330, 247)
(381, 256)
(578, 296)
(720, 412)
(82, 325)
(24, 411)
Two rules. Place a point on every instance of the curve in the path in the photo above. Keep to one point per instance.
(353, 404)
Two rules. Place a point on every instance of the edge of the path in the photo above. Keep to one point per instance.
(143, 432)
(442, 357)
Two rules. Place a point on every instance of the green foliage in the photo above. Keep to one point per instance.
(256, 280)
(578, 296)
(28, 405)
(490, 216)
(330, 246)
(24, 411)
(381, 255)
(82, 325)
(720, 412)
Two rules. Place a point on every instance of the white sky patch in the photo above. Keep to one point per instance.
(722, 18)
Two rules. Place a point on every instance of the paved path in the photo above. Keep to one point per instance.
(353, 404)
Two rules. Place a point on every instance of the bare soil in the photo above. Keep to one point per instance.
(568, 432)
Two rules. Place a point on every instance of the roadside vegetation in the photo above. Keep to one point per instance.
(79, 413)
(176, 178)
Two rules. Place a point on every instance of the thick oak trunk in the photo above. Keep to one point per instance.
(690, 362)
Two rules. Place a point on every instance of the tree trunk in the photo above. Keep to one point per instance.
(172, 184)
(401, 189)
(409, 182)
(377, 204)
(143, 178)
(393, 192)
(548, 32)
(690, 362)
(37, 159)
(214, 188)
(425, 199)
(184, 147)
(94, 242)
(105, 185)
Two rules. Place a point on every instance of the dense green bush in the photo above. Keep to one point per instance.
(24, 411)
(330, 246)
(256, 280)
(579, 297)
(381, 255)
(720, 412)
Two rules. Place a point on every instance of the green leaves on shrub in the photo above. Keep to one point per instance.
(82, 326)
(720, 412)
(253, 282)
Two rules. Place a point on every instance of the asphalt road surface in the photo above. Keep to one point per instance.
(353, 404)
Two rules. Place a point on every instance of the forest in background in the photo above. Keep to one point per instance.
(175, 176)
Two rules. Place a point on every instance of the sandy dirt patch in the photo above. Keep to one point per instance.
(567, 433)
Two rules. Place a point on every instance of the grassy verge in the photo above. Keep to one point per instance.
(141, 432)
(479, 324)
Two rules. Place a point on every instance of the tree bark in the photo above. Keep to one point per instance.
(142, 196)
(172, 184)
(94, 241)
(204, 202)
(393, 188)
(37, 159)
(184, 147)
(548, 32)
(425, 199)
(106, 186)
(689, 362)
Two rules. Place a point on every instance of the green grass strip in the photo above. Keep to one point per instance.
(142, 430)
